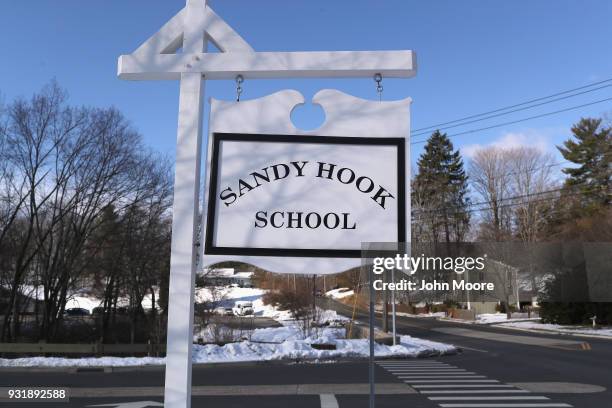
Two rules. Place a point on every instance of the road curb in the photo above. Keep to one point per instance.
(551, 332)
(110, 369)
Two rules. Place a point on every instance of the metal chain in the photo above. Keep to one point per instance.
(239, 81)
(379, 88)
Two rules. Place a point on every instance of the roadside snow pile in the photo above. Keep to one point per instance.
(489, 318)
(329, 316)
(339, 293)
(228, 296)
(328, 320)
(557, 328)
(435, 314)
(253, 351)
(288, 342)
(326, 335)
(301, 349)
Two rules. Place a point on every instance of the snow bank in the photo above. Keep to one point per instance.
(288, 342)
(436, 314)
(488, 318)
(559, 328)
(253, 351)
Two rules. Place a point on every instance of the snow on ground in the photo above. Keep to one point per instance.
(436, 314)
(263, 344)
(339, 293)
(488, 318)
(83, 299)
(328, 320)
(228, 296)
(557, 328)
(252, 351)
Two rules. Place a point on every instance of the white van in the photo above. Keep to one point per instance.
(243, 308)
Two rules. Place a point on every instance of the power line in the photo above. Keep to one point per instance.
(508, 205)
(515, 105)
(471, 210)
(519, 120)
(515, 110)
(440, 209)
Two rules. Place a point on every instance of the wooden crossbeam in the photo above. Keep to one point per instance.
(267, 65)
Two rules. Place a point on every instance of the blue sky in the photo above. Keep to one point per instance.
(473, 56)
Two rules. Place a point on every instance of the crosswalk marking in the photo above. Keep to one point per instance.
(496, 398)
(461, 386)
(416, 377)
(328, 401)
(457, 381)
(441, 372)
(412, 370)
(455, 387)
(504, 405)
(474, 392)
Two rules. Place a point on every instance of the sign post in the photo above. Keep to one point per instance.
(157, 59)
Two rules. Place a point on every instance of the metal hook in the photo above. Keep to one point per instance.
(239, 81)
(379, 88)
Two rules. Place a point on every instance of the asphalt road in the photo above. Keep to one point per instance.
(512, 356)
(497, 368)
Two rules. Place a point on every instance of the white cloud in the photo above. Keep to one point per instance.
(529, 138)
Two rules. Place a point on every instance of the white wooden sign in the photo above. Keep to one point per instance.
(298, 201)
(158, 58)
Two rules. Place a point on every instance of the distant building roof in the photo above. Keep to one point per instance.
(219, 273)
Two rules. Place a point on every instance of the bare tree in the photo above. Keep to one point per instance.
(62, 169)
(530, 182)
(490, 174)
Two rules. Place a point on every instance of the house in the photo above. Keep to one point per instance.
(228, 276)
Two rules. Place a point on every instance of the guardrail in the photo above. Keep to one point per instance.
(94, 348)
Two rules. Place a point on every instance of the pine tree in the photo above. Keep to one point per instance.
(591, 151)
(442, 190)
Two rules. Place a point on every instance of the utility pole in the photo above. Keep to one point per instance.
(314, 295)
(385, 313)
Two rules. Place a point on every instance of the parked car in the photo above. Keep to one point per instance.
(77, 311)
(243, 308)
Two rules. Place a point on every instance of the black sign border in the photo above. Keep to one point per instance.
(218, 137)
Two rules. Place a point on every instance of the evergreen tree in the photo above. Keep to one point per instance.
(591, 151)
(441, 185)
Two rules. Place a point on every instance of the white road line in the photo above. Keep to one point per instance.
(424, 370)
(496, 398)
(503, 405)
(462, 386)
(414, 365)
(440, 377)
(440, 367)
(410, 362)
(476, 392)
(436, 373)
(457, 381)
(328, 401)
(450, 371)
(421, 368)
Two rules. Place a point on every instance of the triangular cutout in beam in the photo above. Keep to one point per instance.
(169, 39)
